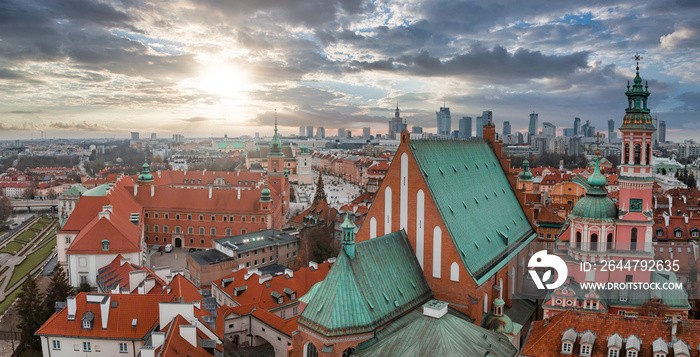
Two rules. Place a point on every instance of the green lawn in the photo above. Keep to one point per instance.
(45, 220)
(38, 226)
(26, 236)
(31, 262)
(11, 248)
(48, 237)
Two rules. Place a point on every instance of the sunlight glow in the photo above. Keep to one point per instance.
(223, 80)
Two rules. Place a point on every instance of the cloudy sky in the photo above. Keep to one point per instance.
(82, 68)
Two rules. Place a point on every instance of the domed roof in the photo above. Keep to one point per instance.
(596, 205)
(525, 175)
(501, 324)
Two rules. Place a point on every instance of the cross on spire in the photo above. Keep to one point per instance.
(637, 58)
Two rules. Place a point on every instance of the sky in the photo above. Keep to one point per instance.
(83, 68)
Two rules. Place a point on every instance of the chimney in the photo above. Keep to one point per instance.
(148, 351)
(239, 194)
(209, 192)
(71, 308)
(153, 190)
(435, 309)
(189, 333)
(149, 284)
(163, 273)
(313, 265)
(289, 272)
(136, 189)
(157, 339)
(102, 214)
(104, 311)
(124, 260)
(135, 278)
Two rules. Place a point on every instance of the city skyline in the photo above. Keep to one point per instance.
(104, 69)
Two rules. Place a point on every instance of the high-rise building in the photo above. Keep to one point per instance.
(465, 127)
(134, 136)
(153, 137)
(416, 129)
(577, 126)
(444, 121)
(532, 129)
(611, 131)
(590, 133)
(549, 130)
(584, 128)
(310, 131)
(320, 132)
(479, 127)
(662, 131)
(341, 133)
(396, 124)
(506, 128)
(569, 132)
(348, 134)
(366, 133)
(178, 138)
(302, 131)
(257, 135)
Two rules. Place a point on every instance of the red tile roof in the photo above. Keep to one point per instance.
(183, 288)
(545, 339)
(116, 274)
(284, 326)
(176, 345)
(173, 198)
(144, 308)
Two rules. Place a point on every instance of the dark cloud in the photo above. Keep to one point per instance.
(36, 111)
(691, 102)
(496, 64)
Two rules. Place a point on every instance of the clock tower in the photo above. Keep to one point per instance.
(636, 176)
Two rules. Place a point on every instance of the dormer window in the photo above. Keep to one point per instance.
(566, 347)
(631, 353)
(87, 320)
(105, 244)
(613, 352)
(678, 233)
(585, 350)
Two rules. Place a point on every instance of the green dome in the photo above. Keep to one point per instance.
(145, 175)
(265, 194)
(596, 205)
(525, 175)
(501, 324)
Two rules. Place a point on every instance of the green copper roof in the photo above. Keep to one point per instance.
(596, 205)
(525, 175)
(98, 191)
(417, 335)
(76, 190)
(145, 175)
(477, 204)
(382, 282)
(347, 223)
(637, 113)
(275, 144)
(234, 145)
(265, 194)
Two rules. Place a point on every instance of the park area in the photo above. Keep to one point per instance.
(24, 254)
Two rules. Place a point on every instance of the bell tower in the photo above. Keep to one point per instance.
(636, 176)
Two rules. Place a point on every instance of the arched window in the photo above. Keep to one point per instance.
(626, 154)
(486, 303)
(578, 240)
(659, 232)
(349, 351)
(633, 242)
(610, 241)
(594, 242)
(500, 285)
(437, 251)
(310, 350)
(648, 154)
(454, 271)
(637, 154)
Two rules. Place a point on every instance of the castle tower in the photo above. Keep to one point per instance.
(145, 176)
(636, 177)
(275, 158)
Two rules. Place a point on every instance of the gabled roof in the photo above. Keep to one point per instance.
(383, 281)
(176, 345)
(284, 326)
(116, 275)
(183, 288)
(144, 308)
(466, 180)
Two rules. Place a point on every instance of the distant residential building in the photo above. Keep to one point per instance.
(661, 131)
(178, 138)
(465, 127)
(320, 132)
(366, 133)
(532, 128)
(153, 136)
(549, 130)
(416, 129)
(134, 136)
(688, 148)
(569, 132)
(257, 135)
(341, 133)
(348, 134)
(612, 135)
(574, 146)
(444, 121)
(506, 128)
(302, 131)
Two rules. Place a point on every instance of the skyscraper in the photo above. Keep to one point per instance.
(341, 133)
(134, 136)
(465, 127)
(320, 132)
(584, 128)
(366, 133)
(395, 124)
(416, 129)
(486, 116)
(302, 131)
(309, 131)
(611, 131)
(577, 126)
(532, 129)
(549, 130)
(662, 131)
(444, 122)
(506, 128)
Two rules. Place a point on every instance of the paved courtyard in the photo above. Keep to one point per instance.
(176, 260)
